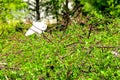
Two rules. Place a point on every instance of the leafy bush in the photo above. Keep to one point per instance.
(57, 56)
(102, 7)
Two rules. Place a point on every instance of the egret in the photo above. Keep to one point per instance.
(37, 27)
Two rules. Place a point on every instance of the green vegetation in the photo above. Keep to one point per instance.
(88, 49)
(12, 10)
(74, 56)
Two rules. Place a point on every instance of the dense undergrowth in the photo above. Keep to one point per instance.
(79, 54)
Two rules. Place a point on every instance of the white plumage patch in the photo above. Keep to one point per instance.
(37, 27)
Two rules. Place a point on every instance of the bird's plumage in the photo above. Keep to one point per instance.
(37, 27)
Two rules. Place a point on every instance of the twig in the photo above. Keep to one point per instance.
(47, 38)
(107, 47)
(2, 32)
(90, 30)
(74, 43)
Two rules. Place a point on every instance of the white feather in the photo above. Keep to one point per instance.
(29, 32)
(37, 27)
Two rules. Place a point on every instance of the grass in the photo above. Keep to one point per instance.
(72, 57)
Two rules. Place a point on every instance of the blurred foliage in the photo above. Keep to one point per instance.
(103, 7)
(98, 8)
(82, 52)
(74, 56)
(11, 9)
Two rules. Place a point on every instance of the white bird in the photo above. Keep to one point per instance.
(37, 27)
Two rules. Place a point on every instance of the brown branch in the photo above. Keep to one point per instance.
(107, 46)
(47, 38)
(75, 9)
(90, 30)
(74, 43)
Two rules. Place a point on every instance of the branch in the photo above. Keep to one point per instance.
(90, 30)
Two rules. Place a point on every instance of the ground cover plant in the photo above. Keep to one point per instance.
(84, 52)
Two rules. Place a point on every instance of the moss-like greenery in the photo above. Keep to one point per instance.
(54, 56)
